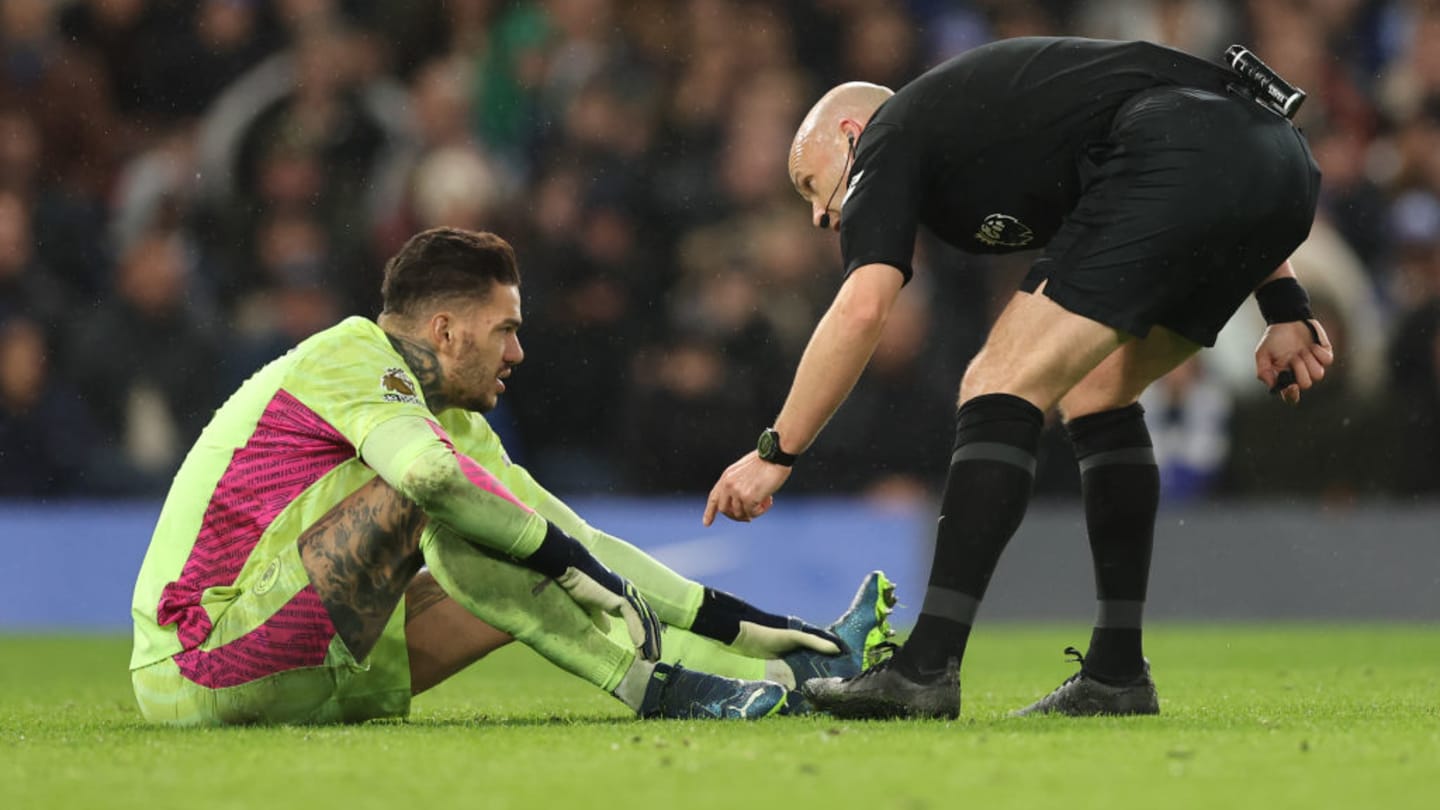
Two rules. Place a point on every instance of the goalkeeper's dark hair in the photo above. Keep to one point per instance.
(443, 263)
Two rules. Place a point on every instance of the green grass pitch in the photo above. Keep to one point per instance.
(1275, 716)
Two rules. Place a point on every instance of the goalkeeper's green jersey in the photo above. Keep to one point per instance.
(278, 455)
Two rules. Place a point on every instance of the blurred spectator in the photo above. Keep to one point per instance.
(147, 369)
(207, 45)
(291, 299)
(1023, 18)
(155, 189)
(685, 417)
(1329, 271)
(67, 225)
(249, 161)
(1414, 230)
(1188, 413)
(46, 437)
(1335, 444)
(1201, 27)
(880, 46)
(882, 441)
(128, 38)
(1417, 148)
(26, 287)
(1414, 75)
(508, 45)
(39, 68)
(306, 130)
(1415, 377)
(1350, 197)
(445, 176)
(580, 333)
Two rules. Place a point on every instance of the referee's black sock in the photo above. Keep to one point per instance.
(992, 470)
(1120, 484)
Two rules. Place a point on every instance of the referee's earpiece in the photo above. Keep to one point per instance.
(825, 217)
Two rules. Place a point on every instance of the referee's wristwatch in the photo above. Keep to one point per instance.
(768, 448)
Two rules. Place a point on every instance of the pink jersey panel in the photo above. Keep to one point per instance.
(290, 449)
(298, 635)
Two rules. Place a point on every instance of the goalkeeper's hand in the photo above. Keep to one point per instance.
(764, 641)
(602, 591)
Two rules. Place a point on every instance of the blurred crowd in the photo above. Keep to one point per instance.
(190, 187)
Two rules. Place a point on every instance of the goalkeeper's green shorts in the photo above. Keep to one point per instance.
(256, 626)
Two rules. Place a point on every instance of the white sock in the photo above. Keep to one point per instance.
(631, 690)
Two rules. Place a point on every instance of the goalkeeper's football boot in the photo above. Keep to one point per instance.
(863, 630)
(1083, 695)
(883, 692)
(676, 692)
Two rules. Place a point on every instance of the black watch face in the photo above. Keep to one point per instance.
(767, 445)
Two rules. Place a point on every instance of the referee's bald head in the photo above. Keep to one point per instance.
(819, 155)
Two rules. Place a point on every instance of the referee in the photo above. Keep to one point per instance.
(1164, 190)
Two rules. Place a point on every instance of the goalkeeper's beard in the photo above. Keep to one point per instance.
(481, 386)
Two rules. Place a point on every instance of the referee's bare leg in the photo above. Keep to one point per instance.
(1035, 354)
(1120, 488)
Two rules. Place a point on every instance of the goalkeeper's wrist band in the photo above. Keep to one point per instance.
(1283, 300)
(557, 552)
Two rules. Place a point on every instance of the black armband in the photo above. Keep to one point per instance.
(1283, 300)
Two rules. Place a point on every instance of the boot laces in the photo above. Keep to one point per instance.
(1075, 658)
(876, 668)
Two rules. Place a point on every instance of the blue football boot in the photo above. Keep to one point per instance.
(679, 693)
(863, 630)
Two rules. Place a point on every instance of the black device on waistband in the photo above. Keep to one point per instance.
(1269, 88)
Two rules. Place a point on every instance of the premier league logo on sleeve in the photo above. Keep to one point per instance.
(396, 386)
(1003, 230)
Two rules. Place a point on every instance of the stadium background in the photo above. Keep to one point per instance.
(189, 187)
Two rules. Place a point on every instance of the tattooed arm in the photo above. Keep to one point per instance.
(416, 457)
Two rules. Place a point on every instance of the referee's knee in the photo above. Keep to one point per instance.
(1087, 402)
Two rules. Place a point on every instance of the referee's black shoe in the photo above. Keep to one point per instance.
(1082, 695)
(883, 692)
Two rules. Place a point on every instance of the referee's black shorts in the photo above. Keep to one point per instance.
(1188, 204)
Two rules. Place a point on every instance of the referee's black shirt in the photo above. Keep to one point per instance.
(983, 149)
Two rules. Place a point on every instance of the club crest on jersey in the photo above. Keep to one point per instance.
(396, 386)
(267, 579)
(1003, 230)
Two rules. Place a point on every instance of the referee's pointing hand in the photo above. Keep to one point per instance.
(746, 489)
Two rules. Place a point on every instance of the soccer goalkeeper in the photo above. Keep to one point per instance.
(348, 532)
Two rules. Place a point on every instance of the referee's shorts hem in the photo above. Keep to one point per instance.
(1084, 305)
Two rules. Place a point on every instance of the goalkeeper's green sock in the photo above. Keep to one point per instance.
(686, 649)
(697, 652)
(538, 613)
(530, 607)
